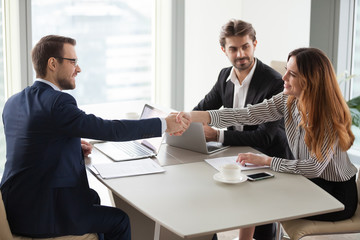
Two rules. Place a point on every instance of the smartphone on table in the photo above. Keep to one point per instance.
(259, 176)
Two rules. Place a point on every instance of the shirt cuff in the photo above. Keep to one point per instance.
(163, 125)
(214, 117)
(221, 136)
(275, 164)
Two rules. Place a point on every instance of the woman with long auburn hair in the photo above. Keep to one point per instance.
(321, 104)
(317, 125)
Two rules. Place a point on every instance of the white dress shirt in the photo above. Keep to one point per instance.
(240, 93)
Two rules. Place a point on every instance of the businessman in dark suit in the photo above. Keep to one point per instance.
(44, 186)
(248, 81)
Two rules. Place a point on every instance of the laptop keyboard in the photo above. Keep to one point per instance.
(212, 146)
(132, 149)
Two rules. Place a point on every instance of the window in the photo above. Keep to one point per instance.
(114, 45)
(355, 82)
(355, 88)
(2, 94)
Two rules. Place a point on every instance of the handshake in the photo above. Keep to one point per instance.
(177, 123)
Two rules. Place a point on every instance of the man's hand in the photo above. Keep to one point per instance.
(86, 148)
(182, 115)
(176, 125)
(211, 134)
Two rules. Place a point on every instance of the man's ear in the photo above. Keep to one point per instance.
(255, 43)
(52, 64)
(223, 49)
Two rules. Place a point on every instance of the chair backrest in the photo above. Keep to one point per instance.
(358, 185)
(278, 66)
(5, 233)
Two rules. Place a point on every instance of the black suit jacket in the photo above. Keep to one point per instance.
(44, 186)
(269, 138)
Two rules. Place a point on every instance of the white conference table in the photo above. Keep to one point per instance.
(186, 203)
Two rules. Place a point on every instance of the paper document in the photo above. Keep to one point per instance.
(128, 168)
(218, 162)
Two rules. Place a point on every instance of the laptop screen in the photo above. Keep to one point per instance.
(151, 112)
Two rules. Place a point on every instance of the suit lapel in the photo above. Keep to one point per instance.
(229, 94)
(255, 83)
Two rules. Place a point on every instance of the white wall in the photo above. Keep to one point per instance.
(281, 26)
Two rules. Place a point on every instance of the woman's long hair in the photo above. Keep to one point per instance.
(323, 109)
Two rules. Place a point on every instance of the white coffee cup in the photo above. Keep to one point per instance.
(230, 172)
(132, 115)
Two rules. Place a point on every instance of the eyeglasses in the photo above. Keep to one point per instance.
(73, 60)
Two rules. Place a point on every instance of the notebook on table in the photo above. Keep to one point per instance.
(194, 139)
(137, 149)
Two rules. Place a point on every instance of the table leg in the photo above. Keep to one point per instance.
(157, 231)
(279, 234)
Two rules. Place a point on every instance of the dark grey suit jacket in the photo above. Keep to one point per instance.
(44, 186)
(269, 138)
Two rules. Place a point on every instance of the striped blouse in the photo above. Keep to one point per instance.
(336, 165)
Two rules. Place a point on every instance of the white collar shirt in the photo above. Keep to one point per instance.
(240, 93)
(48, 83)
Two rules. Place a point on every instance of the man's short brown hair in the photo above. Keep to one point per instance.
(48, 46)
(236, 28)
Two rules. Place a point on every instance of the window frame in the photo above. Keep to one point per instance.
(17, 45)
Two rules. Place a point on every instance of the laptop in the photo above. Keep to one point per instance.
(194, 139)
(136, 149)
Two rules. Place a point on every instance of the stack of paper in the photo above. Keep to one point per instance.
(128, 168)
(218, 162)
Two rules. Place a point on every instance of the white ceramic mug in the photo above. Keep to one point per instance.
(132, 115)
(230, 172)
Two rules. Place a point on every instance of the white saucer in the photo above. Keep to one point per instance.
(218, 177)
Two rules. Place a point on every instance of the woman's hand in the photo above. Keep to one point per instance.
(195, 116)
(256, 159)
(183, 115)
